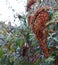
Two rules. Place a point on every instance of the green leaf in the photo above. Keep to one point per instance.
(56, 39)
(1, 52)
(50, 15)
(31, 63)
(56, 27)
(57, 47)
(53, 53)
(37, 61)
(56, 13)
(49, 59)
(19, 42)
(33, 44)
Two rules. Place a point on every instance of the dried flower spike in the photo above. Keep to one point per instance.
(38, 22)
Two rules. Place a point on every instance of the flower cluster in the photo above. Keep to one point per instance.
(38, 23)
